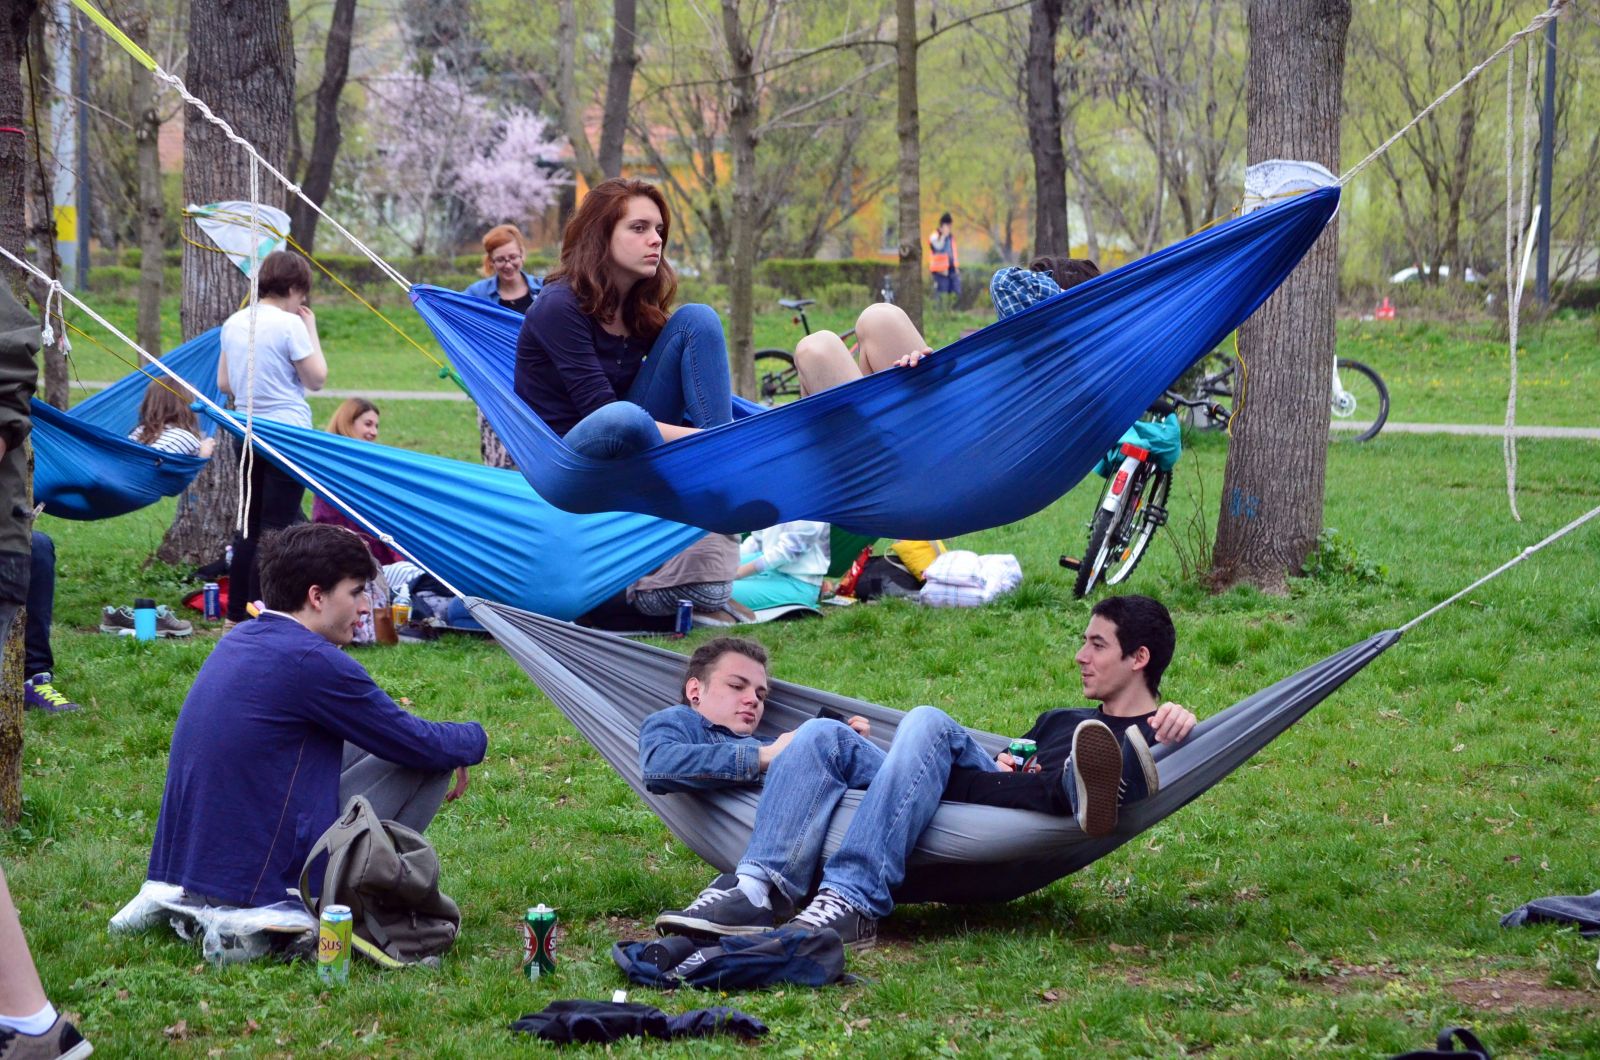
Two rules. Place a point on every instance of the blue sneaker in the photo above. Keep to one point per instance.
(39, 694)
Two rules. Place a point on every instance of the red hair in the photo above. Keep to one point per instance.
(586, 259)
(494, 239)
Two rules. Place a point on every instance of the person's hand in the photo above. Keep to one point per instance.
(460, 788)
(207, 447)
(1006, 763)
(309, 317)
(1172, 723)
(912, 359)
(859, 724)
(774, 749)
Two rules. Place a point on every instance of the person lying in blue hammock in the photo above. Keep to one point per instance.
(1090, 762)
(602, 358)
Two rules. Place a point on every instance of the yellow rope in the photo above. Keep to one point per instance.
(139, 54)
(135, 365)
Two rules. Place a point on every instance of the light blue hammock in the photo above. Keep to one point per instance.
(84, 465)
(482, 529)
(984, 432)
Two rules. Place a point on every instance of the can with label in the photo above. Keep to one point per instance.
(685, 620)
(333, 945)
(401, 614)
(1023, 752)
(539, 941)
(212, 602)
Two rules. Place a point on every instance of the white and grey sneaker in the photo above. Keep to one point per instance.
(855, 929)
(723, 909)
(1142, 781)
(1095, 770)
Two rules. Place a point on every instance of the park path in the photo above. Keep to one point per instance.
(1392, 427)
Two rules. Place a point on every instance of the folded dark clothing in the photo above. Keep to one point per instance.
(565, 1022)
(1041, 792)
(1580, 909)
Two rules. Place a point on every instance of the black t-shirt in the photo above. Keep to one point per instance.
(1041, 791)
(519, 304)
(567, 364)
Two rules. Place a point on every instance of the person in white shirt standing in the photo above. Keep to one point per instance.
(268, 374)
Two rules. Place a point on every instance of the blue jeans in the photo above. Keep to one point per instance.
(683, 378)
(802, 788)
(871, 861)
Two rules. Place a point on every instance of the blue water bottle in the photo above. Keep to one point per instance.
(144, 619)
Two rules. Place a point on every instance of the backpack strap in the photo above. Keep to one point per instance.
(335, 843)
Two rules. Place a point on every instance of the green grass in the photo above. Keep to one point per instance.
(1339, 894)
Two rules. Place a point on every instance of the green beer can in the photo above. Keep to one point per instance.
(1023, 752)
(333, 945)
(539, 941)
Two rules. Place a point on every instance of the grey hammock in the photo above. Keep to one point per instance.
(607, 686)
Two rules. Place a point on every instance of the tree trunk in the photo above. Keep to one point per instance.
(491, 447)
(241, 62)
(1273, 484)
(619, 85)
(1044, 131)
(42, 227)
(1091, 235)
(742, 105)
(583, 157)
(326, 134)
(152, 208)
(14, 149)
(909, 284)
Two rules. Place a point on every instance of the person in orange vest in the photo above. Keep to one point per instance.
(942, 259)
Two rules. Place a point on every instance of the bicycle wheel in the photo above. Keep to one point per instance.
(1150, 515)
(1360, 394)
(1109, 532)
(777, 380)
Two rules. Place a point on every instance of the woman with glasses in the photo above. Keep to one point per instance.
(504, 282)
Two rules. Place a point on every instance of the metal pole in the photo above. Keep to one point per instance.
(80, 88)
(1547, 161)
(63, 114)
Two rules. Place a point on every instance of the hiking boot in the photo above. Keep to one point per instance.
(39, 694)
(61, 1042)
(855, 929)
(1141, 781)
(1094, 771)
(170, 625)
(117, 620)
(722, 909)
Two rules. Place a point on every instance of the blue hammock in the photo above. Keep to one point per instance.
(985, 432)
(84, 465)
(482, 529)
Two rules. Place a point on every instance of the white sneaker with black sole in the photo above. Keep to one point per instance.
(855, 929)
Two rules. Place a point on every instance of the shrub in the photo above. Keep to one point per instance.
(803, 277)
(1339, 561)
(838, 296)
(1581, 294)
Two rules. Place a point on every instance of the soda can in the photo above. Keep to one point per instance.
(1023, 752)
(539, 941)
(333, 945)
(685, 620)
(212, 602)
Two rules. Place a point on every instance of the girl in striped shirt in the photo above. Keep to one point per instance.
(168, 424)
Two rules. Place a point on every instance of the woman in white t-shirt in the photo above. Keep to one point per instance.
(168, 424)
(287, 363)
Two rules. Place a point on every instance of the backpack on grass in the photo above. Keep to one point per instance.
(389, 877)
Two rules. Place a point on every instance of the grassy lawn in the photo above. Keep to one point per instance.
(1340, 894)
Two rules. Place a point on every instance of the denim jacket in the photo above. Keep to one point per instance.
(488, 288)
(679, 750)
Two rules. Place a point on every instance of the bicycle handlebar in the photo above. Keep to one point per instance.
(1169, 402)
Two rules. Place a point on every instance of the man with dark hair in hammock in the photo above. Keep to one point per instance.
(1089, 761)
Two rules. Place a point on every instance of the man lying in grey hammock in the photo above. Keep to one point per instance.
(1089, 761)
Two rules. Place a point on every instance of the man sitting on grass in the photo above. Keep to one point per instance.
(281, 729)
(1090, 761)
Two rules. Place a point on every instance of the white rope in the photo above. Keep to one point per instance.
(47, 333)
(1554, 10)
(223, 414)
(294, 189)
(247, 457)
(1518, 558)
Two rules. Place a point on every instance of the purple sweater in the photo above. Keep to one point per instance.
(253, 777)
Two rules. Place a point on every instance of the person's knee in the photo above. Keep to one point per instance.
(819, 349)
(822, 732)
(880, 317)
(698, 318)
(615, 430)
(925, 722)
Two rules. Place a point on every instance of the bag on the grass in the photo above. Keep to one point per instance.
(882, 576)
(389, 877)
(737, 962)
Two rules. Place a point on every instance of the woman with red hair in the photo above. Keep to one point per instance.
(602, 359)
(505, 282)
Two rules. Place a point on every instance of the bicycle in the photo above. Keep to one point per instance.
(1133, 505)
(776, 375)
(1355, 387)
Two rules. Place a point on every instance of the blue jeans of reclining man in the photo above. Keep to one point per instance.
(806, 781)
(684, 377)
